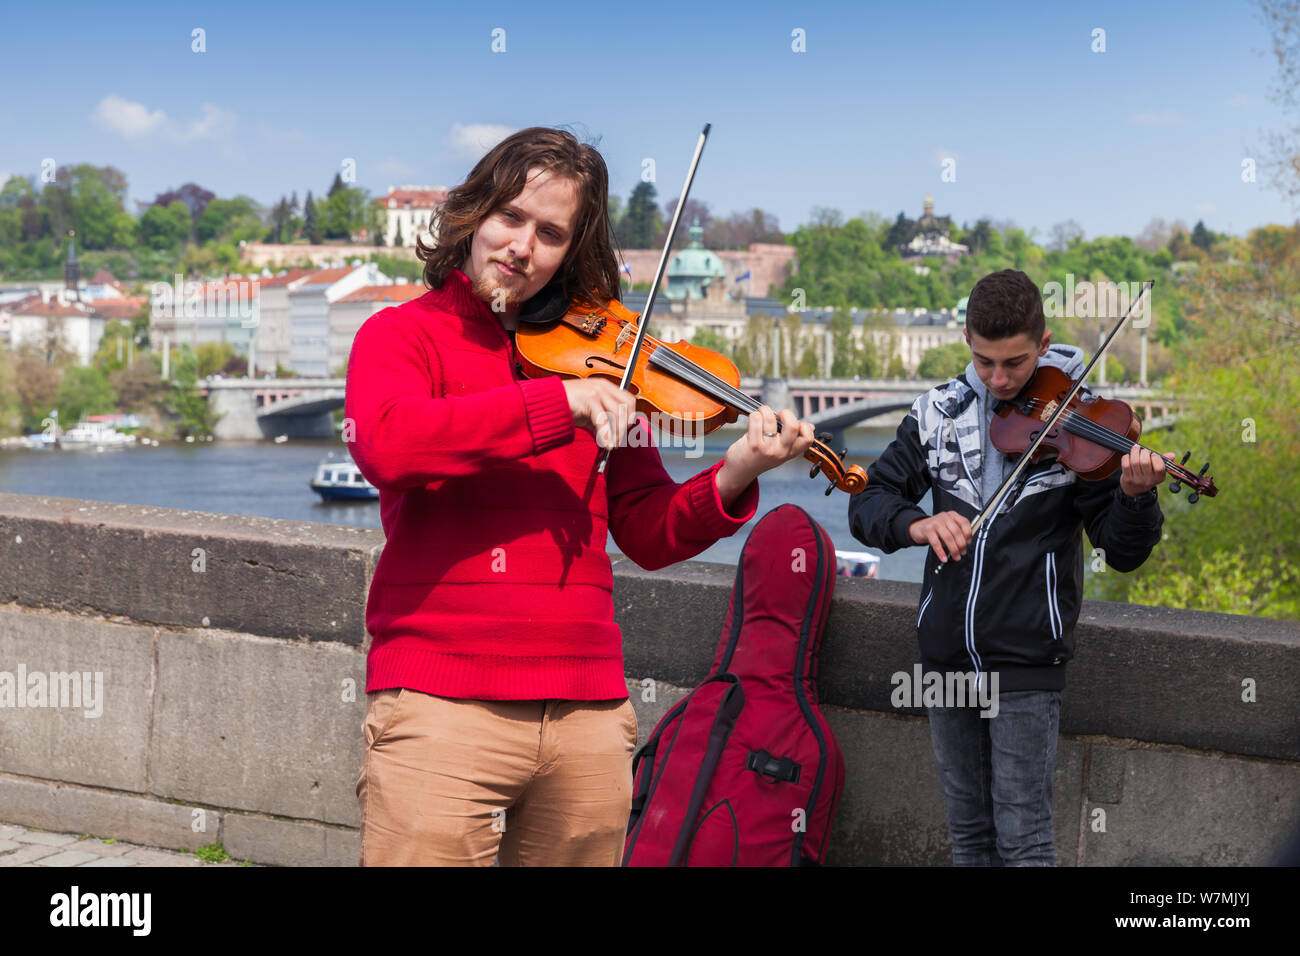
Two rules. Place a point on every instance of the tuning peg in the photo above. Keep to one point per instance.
(830, 487)
(815, 468)
(1176, 485)
(843, 452)
(1195, 495)
(826, 438)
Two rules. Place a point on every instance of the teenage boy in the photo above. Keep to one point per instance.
(1006, 602)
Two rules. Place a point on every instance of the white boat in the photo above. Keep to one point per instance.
(95, 433)
(339, 479)
(857, 564)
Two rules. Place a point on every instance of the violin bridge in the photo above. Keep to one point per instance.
(1048, 409)
(624, 334)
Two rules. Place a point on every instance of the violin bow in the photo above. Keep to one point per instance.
(644, 323)
(992, 507)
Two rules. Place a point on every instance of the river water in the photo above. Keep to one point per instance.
(270, 480)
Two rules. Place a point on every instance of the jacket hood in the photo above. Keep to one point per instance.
(1068, 358)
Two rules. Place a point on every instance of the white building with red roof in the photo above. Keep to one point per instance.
(410, 210)
(309, 314)
(273, 311)
(36, 323)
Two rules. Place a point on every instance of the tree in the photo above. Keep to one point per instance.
(1064, 234)
(343, 212)
(140, 385)
(211, 357)
(1282, 155)
(740, 230)
(944, 361)
(164, 228)
(37, 384)
(1202, 238)
(1241, 361)
(184, 399)
(229, 220)
(706, 338)
(641, 222)
(84, 390)
(695, 210)
(900, 233)
(978, 237)
(105, 357)
(194, 197)
(311, 223)
(753, 354)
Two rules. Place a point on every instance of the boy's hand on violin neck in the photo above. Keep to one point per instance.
(763, 447)
(1141, 470)
(947, 532)
(601, 407)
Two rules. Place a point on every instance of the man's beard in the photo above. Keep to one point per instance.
(489, 288)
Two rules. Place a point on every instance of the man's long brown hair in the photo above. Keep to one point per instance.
(589, 267)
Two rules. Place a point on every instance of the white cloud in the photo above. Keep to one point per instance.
(215, 123)
(1156, 118)
(472, 140)
(4, 178)
(128, 119)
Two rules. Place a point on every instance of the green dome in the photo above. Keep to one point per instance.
(694, 268)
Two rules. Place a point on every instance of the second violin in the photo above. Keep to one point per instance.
(1090, 437)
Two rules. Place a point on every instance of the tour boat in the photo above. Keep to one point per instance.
(857, 564)
(95, 433)
(341, 480)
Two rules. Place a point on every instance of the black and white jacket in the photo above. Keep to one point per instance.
(1010, 605)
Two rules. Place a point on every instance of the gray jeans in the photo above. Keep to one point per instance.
(996, 774)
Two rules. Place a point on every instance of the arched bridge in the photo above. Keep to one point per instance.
(253, 409)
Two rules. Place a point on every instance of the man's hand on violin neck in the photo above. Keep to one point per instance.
(1141, 470)
(601, 407)
(763, 447)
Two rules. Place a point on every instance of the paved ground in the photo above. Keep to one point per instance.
(21, 846)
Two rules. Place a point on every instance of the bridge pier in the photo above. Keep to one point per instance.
(776, 393)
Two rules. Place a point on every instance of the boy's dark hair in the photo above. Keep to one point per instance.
(1004, 304)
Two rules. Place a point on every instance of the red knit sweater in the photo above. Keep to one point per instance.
(494, 582)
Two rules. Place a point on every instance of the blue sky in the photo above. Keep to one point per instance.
(1041, 128)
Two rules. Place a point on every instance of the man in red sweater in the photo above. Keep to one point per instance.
(499, 718)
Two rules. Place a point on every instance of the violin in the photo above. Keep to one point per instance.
(1090, 436)
(687, 385)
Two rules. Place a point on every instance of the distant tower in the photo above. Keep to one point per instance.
(72, 271)
(929, 206)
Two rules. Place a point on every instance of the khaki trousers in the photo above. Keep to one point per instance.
(450, 782)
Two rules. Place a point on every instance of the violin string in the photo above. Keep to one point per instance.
(1087, 428)
(704, 379)
(700, 377)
